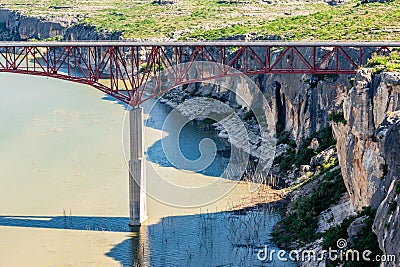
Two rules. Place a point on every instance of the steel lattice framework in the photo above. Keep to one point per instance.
(133, 72)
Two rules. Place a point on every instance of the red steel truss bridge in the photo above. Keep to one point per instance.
(133, 72)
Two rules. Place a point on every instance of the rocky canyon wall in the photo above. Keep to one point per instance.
(18, 26)
(369, 149)
(362, 146)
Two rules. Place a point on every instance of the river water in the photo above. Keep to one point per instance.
(64, 188)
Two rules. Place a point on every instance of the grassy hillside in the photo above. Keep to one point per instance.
(351, 21)
(213, 19)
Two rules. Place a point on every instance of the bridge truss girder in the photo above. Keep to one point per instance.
(133, 72)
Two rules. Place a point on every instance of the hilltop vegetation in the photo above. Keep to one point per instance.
(351, 21)
(214, 19)
(148, 19)
(389, 62)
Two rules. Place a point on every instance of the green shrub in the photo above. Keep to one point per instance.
(381, 63)
(337, 116)
(327, 165)
(283, 138)
(385, 169)
(209, 121)
(351, 81)
(398, 187)
(279, 129)
(304, 153)
(292, 143)
(366, 240)
(248, 115)
(392, 207)
(325, 138)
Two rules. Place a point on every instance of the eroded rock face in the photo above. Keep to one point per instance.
(356, 227)
(301, 103)
(361, 154)
(387, 220)
(23, 27)
(369, 150)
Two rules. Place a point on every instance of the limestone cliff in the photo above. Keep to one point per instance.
(387, 221)
(18, 26)
(301, 103)
(24, 27)
(361, 149)
(368, 150)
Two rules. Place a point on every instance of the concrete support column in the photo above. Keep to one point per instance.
(137, 173)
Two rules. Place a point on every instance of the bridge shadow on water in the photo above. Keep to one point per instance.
(113, 99)
(209, 239)
(84, 223)
(188, 141)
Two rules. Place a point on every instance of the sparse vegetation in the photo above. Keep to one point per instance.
(366, 240)
(384, 168)
(350, 21)
(202, 19)
(284, 138)
(313, 81)
(155, 19)
(304, 153)
(299, 225)
(248, 115)
(392, 207)
(381, 63)
(327, 165)
(51, 39)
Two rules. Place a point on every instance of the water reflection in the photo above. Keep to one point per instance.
(211, 239)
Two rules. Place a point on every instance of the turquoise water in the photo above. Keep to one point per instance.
(189, 139)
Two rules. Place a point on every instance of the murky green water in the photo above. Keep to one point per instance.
(64, 190)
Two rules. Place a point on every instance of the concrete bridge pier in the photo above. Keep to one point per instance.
(137, 172)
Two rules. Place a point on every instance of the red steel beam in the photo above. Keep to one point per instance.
(123, 70)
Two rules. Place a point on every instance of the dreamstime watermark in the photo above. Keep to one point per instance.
(247, 146)
(341, 253)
